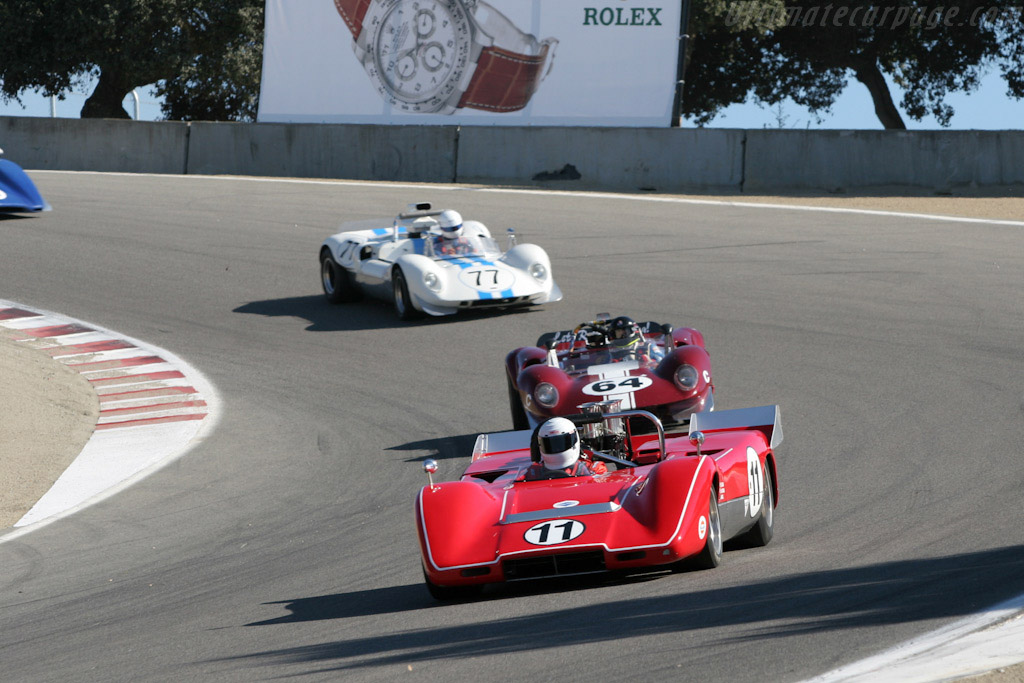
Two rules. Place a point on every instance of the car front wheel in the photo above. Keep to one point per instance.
(402, 302)
(447, 593)
(515, 404)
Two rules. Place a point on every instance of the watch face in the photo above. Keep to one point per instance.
(417, 51)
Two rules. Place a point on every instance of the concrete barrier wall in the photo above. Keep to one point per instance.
(405, 153)
(95, 144)
(629, 159)
(661, 159)
(841, 159)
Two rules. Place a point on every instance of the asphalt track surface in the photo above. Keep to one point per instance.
(283, 546)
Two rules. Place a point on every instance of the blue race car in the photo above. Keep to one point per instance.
(17, 191)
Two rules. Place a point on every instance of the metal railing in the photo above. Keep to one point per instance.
(134, 94)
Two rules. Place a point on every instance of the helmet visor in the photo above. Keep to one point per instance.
(451, 228)
(558, 443)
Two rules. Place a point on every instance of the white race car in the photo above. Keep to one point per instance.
(430, 261)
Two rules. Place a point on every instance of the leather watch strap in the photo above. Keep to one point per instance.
(503, 80)
(353, 11)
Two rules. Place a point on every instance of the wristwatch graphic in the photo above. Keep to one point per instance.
(435, 56)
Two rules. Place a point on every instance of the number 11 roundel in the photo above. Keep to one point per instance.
(554, 531)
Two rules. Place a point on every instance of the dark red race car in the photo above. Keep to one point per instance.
(662, 500)
(646, 365)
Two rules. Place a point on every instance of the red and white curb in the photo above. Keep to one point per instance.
(153, 406)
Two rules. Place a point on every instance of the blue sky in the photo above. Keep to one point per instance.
(988, 108)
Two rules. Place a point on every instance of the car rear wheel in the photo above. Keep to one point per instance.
(761, 533)
(402, 302)
(337, 284)
(515, 404)
(711, 556)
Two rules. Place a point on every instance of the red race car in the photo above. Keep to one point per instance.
(645, 365)
(595, 497)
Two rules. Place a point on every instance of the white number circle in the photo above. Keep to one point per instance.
(487, 279)
(554, 531)
(618, 385)
(755, 483)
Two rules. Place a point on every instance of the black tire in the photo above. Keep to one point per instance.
(761, 533)
(515, 404)
(711, 556)
(450, 593)
(400, 292)
(337, 284)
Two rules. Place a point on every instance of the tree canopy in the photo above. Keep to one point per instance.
(807, 50)
(205, 55)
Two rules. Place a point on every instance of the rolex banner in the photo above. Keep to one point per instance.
(470, 62)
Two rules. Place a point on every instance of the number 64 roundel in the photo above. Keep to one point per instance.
(554, 531)
(623, 385)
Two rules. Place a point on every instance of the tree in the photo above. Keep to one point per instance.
(221, 84)
(809, 50)
(54, 45)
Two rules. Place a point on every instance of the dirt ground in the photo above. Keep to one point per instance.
(47, 413)
(1008, 674)
(998, 203)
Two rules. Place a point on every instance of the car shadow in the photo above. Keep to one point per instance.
(414, 597)
(845, 599)
(369, 314)
(323, 317)
(440, 448)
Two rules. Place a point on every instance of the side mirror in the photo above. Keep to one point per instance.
(552, 358)
(430, 467)
(511, 232)
(697, 439)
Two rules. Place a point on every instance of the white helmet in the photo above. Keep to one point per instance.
(559, 443)
(450, 223)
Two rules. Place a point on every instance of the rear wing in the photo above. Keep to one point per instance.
(501, 442)
(765, 419)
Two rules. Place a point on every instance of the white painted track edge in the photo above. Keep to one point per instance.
(206, 426)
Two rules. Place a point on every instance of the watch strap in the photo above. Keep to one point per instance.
(503, 80)
(353, 12)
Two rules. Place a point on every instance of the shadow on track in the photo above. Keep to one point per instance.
(442, 448)
(414, 597)
(369, 314)
(323, 317)
(879, 594)
(355, 604)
